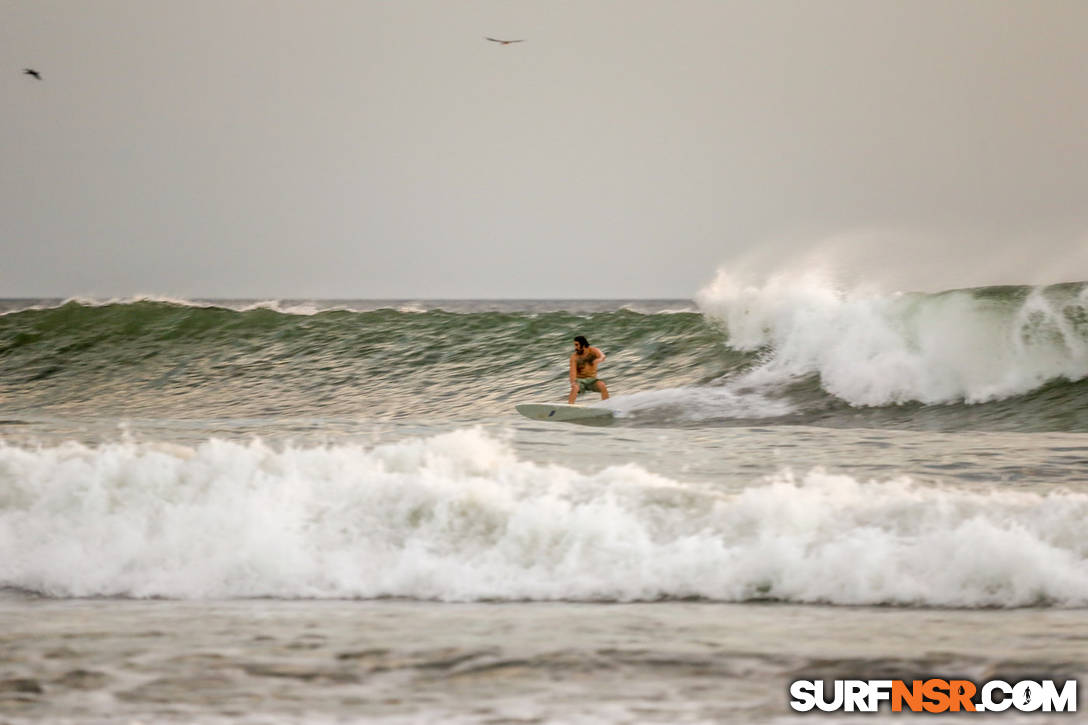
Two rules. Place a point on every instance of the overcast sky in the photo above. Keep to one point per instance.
(357, 148)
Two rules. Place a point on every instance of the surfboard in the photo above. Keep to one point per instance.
(563, 413)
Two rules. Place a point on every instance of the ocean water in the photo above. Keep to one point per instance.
(328, 511)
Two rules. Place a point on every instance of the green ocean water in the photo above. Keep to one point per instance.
(1001, 359)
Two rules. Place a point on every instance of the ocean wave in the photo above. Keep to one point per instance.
(302, 308)
(459, 517)
(789, 351)
(310, 307)
(874, 349)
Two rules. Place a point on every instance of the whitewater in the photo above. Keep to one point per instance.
(308, 510)
(459, 517)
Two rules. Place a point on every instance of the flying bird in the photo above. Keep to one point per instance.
(32, 72)
(504, 42)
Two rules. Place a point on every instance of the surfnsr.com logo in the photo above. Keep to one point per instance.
(933, 695)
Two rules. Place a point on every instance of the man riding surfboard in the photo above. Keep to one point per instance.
(583, 370)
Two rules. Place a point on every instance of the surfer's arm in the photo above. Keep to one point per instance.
(573, 370)
(600, 355)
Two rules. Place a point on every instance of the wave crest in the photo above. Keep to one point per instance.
(877, 349)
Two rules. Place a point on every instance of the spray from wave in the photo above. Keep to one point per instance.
(459, 517)
(872, 349)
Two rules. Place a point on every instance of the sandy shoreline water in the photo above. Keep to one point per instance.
(269, 661)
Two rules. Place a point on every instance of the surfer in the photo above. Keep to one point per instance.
(583, 370)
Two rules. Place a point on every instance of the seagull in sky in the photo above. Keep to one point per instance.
(32, 72)
(504, 42)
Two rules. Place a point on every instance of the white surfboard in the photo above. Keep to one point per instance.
(563, 413)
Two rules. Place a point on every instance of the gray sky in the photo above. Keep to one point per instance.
(383, 149)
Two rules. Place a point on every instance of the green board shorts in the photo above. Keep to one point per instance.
(586, 385)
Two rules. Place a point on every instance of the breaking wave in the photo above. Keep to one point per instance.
(459, 517)
(974, 346)
(795, 350)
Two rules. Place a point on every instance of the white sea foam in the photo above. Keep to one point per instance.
(132, 299)
(303, 308)
(460, 517)
(645, 310)
(699, 403)
(870, 348)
